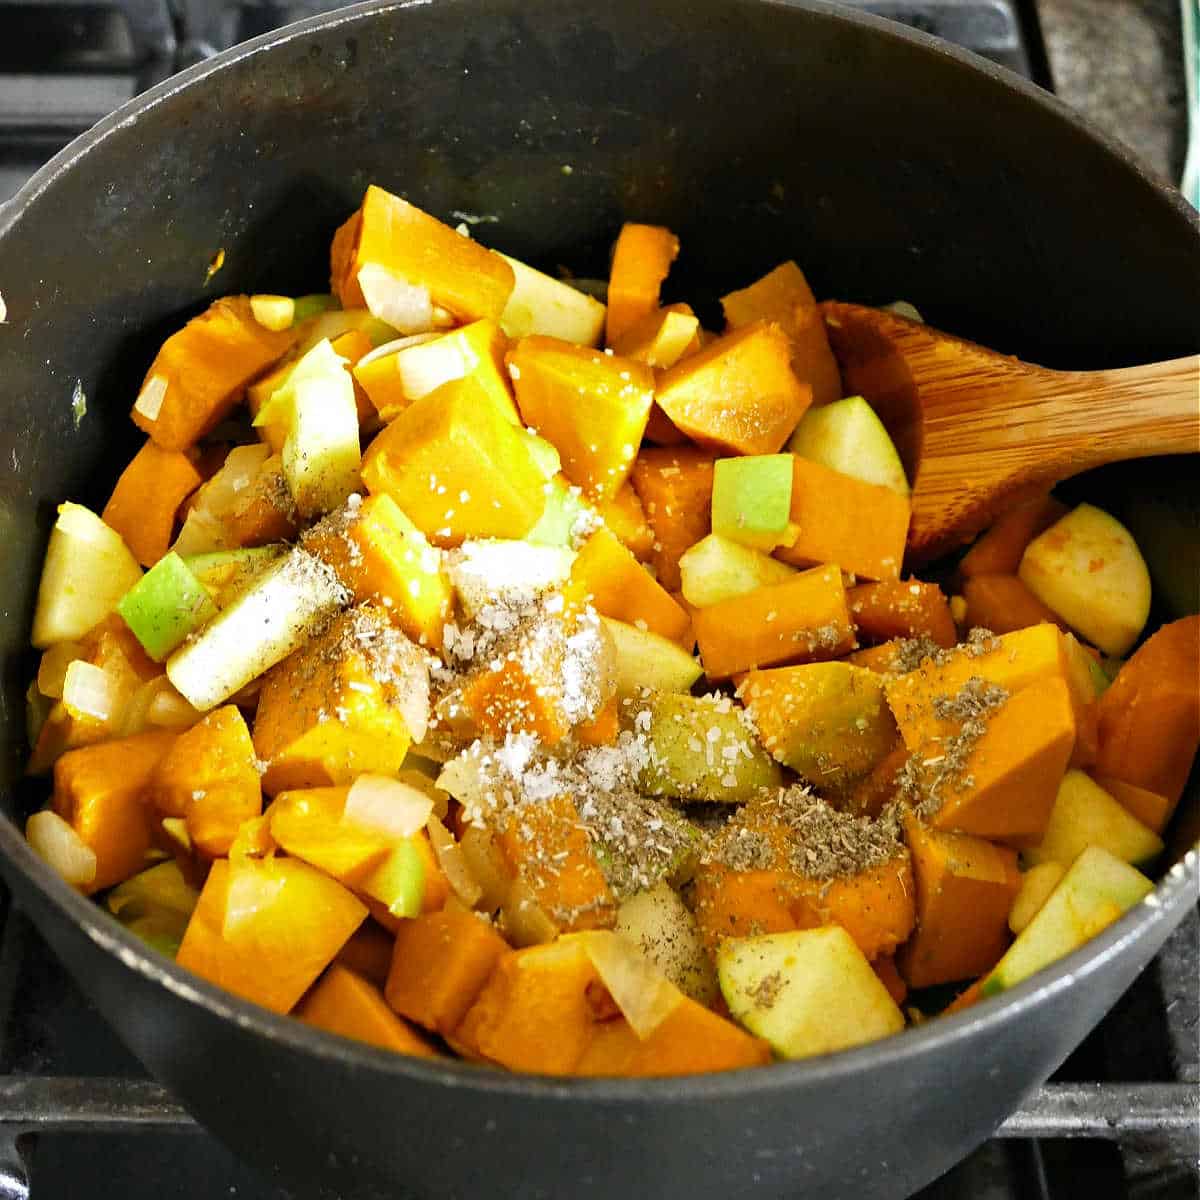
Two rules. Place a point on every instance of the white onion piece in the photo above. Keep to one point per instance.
(411, 700)
(405, 306)
(90, 691)
(397, 344)
(150, 399)
(240, 469)
(52, 670)
(383, 805)
(645, 996)
(252, 889)
(56, 843)
(133, 718)
(453, 863)
(200, 534)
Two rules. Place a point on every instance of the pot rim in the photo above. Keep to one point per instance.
(1171, 899)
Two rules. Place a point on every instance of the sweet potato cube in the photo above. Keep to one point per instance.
(739, 394)
(901, 608)
(675, 486)
(593, 407)
(440, 963)
(341, 705)
(264, 512)
(661, 338)
(998, 551)
(619, 587)
(626, 517)
(965, 887)
(457, 467)
(1003, 603)
(200, 373)
(783, 296)
(381, 556)
(143, 505)
(642, 258)
(860, 526)
(877, 790)
(1153, 810)
(100, 791)
(265, 929)
(461, 276)
(803, 619)
(346, 1004)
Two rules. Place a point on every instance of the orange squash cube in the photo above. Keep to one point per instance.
(265, 512)
(1003, 603)
(143, 505)
(307, 823)
(675, 486)
(661, 338)
(626, 517)
(908, 608)
(999, 549)
(642, 259)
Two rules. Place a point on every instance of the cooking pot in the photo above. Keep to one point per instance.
(887, 164)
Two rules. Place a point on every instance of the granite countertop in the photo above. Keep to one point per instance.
(1120, 62)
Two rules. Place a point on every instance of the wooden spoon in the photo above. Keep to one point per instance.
(979, 431)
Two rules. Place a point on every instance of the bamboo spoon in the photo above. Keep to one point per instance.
(979, 431)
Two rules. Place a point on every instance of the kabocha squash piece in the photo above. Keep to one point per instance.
(902, 608)
(626, 517)
(999, 549)
(346, 1004)
(1152, 809)
(739, 394)
(1149, 719)
(548, 850)
(675, 487)
(878, 789)
(593, 407)
(783, 296)
(541, 304)
(382, 557)
(618, 586)
(804, 619)
(885, 659)
(418, 253)
(143, 505)
(265, 929)
(828, 722)
(457, 467)
(742, 903)
(1002, 603)
(210, 778)
(965, 888)
(642, 259)
(885, 968)
(716, 569)
(440, 962)
(661, 338)
(351, 701)
(964, 999)
(860, 526)
(308, 824)
(200, 374)
(100, 792)
(369, 953)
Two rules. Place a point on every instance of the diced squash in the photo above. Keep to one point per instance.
(885, 968)
(309, 824)
(878, 789)
(649, 660)
(1036, 886)
(541, 304)
(626, 517)
(346, 1004)
(901, 608)
(369, 953)
(675, 486)
(642, 258)
(265, 512)
(1152, 809)
(998, 551)
(143, 505)
(660, 338)
(1003, 603)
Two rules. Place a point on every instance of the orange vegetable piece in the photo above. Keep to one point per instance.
(965, 999)
(660, 430)
(99, 791)
(274, 430)
(346, 1004)
(998, 551)
(885, 967)
(621, 588)
(1003, 603)
(739, 394)
(642, 259)
(210, 778)
(730, 903)
(1153, 810)
(143, 505)
(592, 406)
(881, 659)
(287, 924)
(265, 512)
(546, 847)
(675, 486)
(901, 608)
(463, 277)
(369, 952)
(206, 367)
(803, 619)
(965, 887)
(353, 345)
(307, 823)
(783, 296)
(604, 728)
(1149, 719)
(843, 520)
(873, 794)
(440, 963)
(626, 517)
(519, 694)
(662, 337)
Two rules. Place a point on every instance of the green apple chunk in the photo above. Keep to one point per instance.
(398, 883)
(225, 573)
(88, 568)
(1037, 885)
(847, 436)
(564, 512)
(806, 992)
(1089, 570)
(717, 569)
(648, 660)
(304, 308)
(1084, 814)
(699, 748)
(1094, 892)
(269, 620)
(659, 924)
(752, 499)
(156, 905)
(166, 605)
(541, 304)
(678, 840)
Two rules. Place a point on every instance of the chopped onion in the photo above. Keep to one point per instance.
(524, 920)
(201, 533)
(645, 996)
(397, 344)
(253, 888)
(486, 864)
(405, 306)
(150, 399)
(55, 842)
(275, 313)
(133, 718)
(240, 469)
(90, 691)
(168, 709)
(52, 670)
(450, 859)
(382, 805)
(411, 700)
(423, 782)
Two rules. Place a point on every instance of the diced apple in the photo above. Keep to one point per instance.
(225, 573)
(648, 660)
(398, 883)
(659, 923)
(848, 437)
(165, 606)
(565, 511)
(156, 904)
(540, 304)
(304, 308)
(505, 572)
(1089, 570)
(717, 569)
(752, 499)
(1094, 892)
(88, 568)
(331, 325)
(273, 616)
(1036, 886)
(806, 992)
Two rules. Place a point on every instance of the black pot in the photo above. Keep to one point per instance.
(884, 163)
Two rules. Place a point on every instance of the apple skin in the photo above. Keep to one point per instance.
(752, 499)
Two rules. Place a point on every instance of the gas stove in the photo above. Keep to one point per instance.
(78, 1115)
